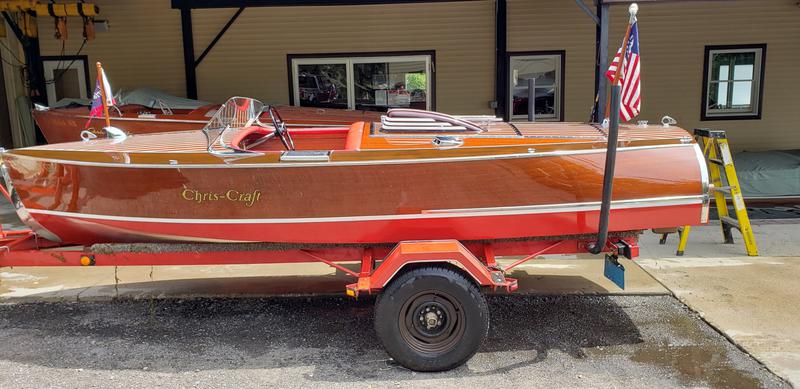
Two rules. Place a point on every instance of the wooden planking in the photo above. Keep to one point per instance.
(251, 57)
(672, 39)
(545, 25)
(142, 48)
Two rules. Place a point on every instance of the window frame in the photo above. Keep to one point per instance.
(64, 60)
(757, 91)
(350, 59)
(561, 77)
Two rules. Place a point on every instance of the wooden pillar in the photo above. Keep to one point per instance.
(188, 53)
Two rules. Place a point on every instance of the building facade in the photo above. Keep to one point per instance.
(721, 64)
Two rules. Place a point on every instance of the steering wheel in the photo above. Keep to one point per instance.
(280, 129)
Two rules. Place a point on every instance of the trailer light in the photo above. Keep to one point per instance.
(87, 260)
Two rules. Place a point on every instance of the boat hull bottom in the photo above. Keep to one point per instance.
(83, 229)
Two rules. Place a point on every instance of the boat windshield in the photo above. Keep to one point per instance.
(236, 113)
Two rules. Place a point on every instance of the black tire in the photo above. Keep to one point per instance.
(431, 319)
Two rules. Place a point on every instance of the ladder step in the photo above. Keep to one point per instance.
(731, 222)
(723, 189)
(715, 144)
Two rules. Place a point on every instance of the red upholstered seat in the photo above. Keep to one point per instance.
(353, 141)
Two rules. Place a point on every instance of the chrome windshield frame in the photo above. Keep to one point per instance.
(236, 113)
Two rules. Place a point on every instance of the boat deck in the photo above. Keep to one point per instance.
(372, 136)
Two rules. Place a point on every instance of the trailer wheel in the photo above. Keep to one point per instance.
(431, 319)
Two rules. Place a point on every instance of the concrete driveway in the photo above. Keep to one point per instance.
(754, 301)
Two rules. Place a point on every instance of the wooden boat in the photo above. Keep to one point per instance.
(60, 125)
(412, 175)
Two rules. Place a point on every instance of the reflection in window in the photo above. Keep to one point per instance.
(390, 85)
(733, 82)
(545, 70)
(368, 83)
(323, 85)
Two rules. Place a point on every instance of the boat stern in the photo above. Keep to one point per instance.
(705, 181)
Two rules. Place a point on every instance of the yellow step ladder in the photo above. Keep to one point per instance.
(714, 144)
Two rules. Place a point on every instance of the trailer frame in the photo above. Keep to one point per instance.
(378, 264)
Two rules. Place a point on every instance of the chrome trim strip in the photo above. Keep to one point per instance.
(147, 119)
(704, 179)
(347, 163)
(432, 214)
(22, 212)
(305, 156)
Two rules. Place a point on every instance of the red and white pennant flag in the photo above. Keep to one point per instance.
(97, 98)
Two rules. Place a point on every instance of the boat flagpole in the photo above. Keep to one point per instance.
(632, 10)
(102, 82)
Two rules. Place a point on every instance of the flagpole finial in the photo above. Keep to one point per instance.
(633, 9)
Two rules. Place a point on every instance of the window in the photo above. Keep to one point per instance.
(373, 83)
(547, 71)
(733, 82)
(66, 77)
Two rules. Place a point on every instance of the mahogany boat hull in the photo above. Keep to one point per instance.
(419, 194)
(61, 125)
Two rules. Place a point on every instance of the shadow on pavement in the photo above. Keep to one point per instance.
(334, 335)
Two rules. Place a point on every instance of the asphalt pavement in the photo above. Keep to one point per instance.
(534, 341)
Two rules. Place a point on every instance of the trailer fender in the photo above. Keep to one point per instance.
(450, 252)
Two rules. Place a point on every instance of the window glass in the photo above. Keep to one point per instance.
(68, 84)
(366, 83)
(733, 82)
(65, 77)
(545, 70)
(384, 85)
(322, 85)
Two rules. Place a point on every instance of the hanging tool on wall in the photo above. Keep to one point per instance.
(61, 32)
(28, 10)
(88, 25)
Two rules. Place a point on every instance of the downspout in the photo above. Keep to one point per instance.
(501, 59)
(608, 175)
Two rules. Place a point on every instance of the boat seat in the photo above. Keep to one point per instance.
(295, 132)
(245, 132)
(353, 141)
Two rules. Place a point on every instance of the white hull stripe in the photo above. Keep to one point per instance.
(432, 214)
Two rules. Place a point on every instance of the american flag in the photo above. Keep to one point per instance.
(629, 76)
(97, 97)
